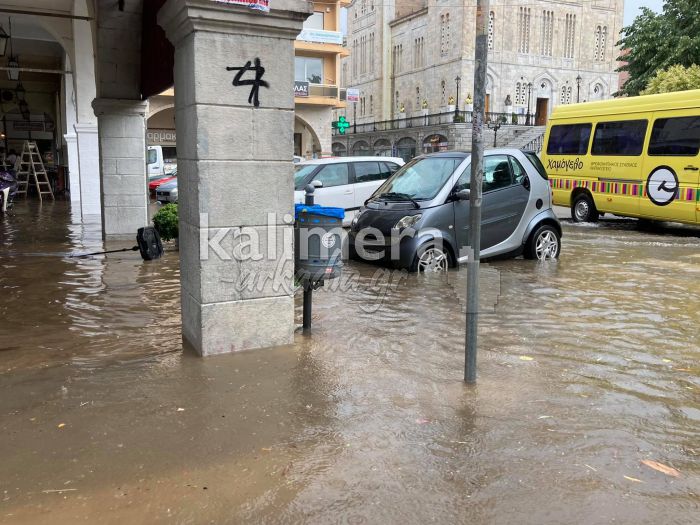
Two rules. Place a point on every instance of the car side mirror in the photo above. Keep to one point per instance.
(317, 184)
(461, 195)
(526, 182)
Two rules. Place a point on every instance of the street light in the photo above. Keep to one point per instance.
(457, 80)
(578, 89)
(529, 89)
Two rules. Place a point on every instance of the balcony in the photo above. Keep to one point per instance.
(319, 94)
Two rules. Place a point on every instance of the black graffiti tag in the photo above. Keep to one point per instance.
(256, 83)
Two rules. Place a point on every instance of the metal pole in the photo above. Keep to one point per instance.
(308, 291)
(529, 88)
(477, 176)
(354, 117)
(457, 105)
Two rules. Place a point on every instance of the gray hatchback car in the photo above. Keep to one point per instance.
(419, 218)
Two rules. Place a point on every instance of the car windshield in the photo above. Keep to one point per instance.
(301, 174)
(420, 179)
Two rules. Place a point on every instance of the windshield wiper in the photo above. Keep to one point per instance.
(400, 196)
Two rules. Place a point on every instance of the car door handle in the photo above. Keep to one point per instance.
(692, 168)
(349, 192)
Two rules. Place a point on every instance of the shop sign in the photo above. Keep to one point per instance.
(301, 89)
(321, 36)
(161, 136)
(352, 95)
(258, 5)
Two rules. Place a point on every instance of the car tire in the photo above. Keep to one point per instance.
(583, 209)
(431, 258)
(543, 244)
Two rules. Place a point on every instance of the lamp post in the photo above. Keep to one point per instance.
(457, 80)
(529, 90)
(354, 117)
(578, 89)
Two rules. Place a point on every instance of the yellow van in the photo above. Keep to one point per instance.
(635, 157)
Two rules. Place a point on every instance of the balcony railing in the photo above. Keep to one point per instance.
(450, 117)
(321, 36)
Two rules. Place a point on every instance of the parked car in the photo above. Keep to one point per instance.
(344, 182)
(430, 196)
(154, 181)
(167, 192)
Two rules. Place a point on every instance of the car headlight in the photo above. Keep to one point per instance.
(407, 221)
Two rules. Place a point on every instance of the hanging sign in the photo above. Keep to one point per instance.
(301, 89)
(353, 95)
(258, 5)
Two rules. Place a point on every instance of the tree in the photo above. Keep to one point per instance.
(655, 42)
(675, 78)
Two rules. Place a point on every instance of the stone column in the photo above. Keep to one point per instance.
(122, 125)
(234, 171)
(89, 168)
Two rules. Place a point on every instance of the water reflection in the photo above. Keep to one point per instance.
(588, 365)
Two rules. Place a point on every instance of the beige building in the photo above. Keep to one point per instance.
(405, 57)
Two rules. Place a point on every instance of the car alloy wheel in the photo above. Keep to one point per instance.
(546, 245)
(433, 259)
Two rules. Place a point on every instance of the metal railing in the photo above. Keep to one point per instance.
(434, 119)
(535, 144)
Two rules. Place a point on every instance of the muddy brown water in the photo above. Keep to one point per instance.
(587, 367)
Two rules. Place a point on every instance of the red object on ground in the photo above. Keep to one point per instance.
(154, 184)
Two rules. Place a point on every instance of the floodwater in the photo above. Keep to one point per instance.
(588, 366)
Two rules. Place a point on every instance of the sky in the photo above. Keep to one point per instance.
(632, 8)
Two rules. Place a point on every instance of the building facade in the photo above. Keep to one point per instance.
(318, 52)
(405, 58)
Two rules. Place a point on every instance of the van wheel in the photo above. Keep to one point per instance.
(543, 244)
(430, 258)
(583, 209)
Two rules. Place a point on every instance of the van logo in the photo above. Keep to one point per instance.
(662, 186)
(566, 165)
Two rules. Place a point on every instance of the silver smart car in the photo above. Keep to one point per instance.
(419, 218)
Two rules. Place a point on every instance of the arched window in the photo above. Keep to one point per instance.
(371, 105)
(443, 98)
(547, 36)
(417, 97)
(518, 93)
(360, 149)
(570, 36)
(524, 30)
(406, 148)
(596, 49)
(603, 41)
(339, 149)
(492, 28)
(382, 147)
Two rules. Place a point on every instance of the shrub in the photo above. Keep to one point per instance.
(166, 222)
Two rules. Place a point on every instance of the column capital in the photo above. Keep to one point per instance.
(179, 18)
(119, 106)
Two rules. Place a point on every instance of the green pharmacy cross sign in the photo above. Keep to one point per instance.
(342, 125)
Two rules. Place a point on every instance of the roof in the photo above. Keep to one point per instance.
(618, 106)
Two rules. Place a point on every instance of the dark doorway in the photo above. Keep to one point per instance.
(297, 144)
(542, 111)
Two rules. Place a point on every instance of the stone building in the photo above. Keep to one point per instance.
(405, 57)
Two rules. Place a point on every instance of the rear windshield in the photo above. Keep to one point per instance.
(420, 179)
(537, 163)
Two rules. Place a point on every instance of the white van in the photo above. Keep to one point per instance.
(161, 160)
(343, 182)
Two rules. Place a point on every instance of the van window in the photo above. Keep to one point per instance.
(675, 137)
(368, 171)
(152, 156)
(333, 175)
(569, 139)
(497, 173)
(622, 138)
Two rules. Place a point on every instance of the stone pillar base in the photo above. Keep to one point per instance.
(71, 140)
(122, 125)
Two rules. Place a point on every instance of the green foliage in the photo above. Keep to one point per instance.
(458, 118)
(166, 222)
(655, 42)
(675, 78)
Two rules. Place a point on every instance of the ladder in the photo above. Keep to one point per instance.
(31, 170)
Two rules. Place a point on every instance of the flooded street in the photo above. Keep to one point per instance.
(588, 366)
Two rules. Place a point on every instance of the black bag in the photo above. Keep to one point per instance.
(149, 242)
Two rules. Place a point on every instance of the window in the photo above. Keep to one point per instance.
(308, 69)
(443, 99)
(371, 52)
(390, 168)
(679, 137)
(570, 36)
(418, 106)
(497, 173)
(537, 163)
(603, 41)
(565, 95)
(492, 27)
(315, 21)
(371, 105)
(569, 139)
(519, 172)
(368, 171)
(421, 179)
(624, 138)
(524, 30)
(152, 156)
(333, 175)
(547, 32)
(444, 34)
